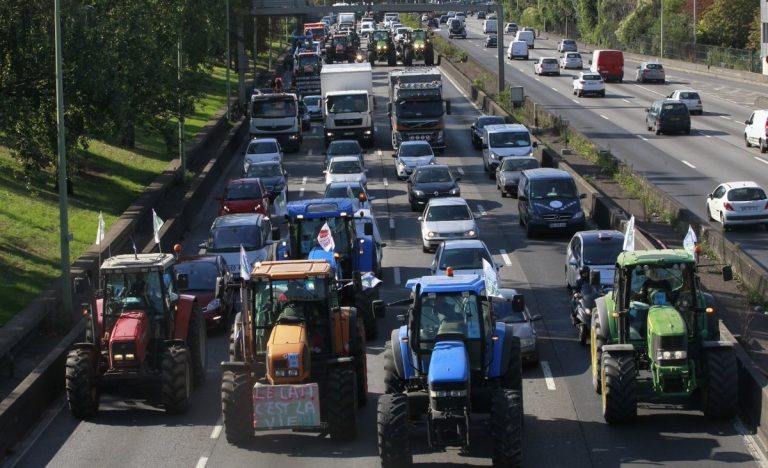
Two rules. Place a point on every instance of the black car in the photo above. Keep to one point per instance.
(490, 41)
(426, 182)
(476, 129)
(433, 23)
(207, 278)
(667, 116)
(272, 176)
(481, 15)
(456, 29)
(444, 19)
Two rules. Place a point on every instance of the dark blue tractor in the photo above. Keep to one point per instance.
(450, 360)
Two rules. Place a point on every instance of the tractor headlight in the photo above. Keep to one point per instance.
(279, 373)
(447, 393)
(670, 355)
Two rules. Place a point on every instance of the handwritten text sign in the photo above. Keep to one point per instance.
(286, 406)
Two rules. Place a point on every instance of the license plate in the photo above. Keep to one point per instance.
(557, 225)
(748, 208)
(349, 133)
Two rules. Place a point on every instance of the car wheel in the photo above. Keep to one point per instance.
(763, 146)
(602, 93)
(656, 128)
(746, 141)
(580, 93)
(647, 125)
(709, 213)
(574, 92)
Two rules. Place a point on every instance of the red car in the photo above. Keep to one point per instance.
(207, 279)
(244, 196)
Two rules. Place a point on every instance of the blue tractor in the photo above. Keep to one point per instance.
(450, 360)
(355, 256)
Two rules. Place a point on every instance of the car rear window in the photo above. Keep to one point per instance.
(603, 251)
(654, 66)
(689, 95)
(464, 259)
(746, 194)
(593, 77)
(674, 108)
(201, 275)
(550, 61)
(230, 238)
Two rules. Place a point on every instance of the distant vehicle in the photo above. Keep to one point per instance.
(208, 280)
(527, 36)
(367, 28)
(510, 28)
(446, 218)
(596, 249)
(567, 45)
(272, 176)
(345, 169)
(344, 148)
(490, 26)
(229, 234)
(481, 15)
(444, 19)
(548, 200)
(509, 307)
(517, 49)
(410, 155)
(609, 63)
(355, 191)
(756, 130)
(546, 66)
(491, 41)
(476, 129)
(431, 181)
(740, 203)
(508, 173)
(262, 149)
(650, 71)
(456, 29)
(588, 83)
(690, 98)
(465, 256)
(314, 106)
(668, 116)
(244, 196)
(501, 141)
(571, 60)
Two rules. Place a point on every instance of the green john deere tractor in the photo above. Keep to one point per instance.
(417, 46)
(381, 47)
(655, 336)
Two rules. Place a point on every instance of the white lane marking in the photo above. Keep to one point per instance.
(703, 134)
(392, 223)
(216, 432)
(688, 164)
(202, 462)
(751, 443)
(481, 210)
(397, 275)
(310, 151)
(725, 117)
(606, 118)
(642, 138)
(574, 100)
(378, 152)
(761, 160)
(537, 79)
(301, 192)
(555, 89)
(461, 171)
(627, 101)
(650, 90)
(521, 70)
(548, 375)
(313, 137)
(304, 180)
(386, 182)
(505, 257)
(375, 128)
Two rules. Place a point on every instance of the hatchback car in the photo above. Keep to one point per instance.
(314, 105)
(510, 28)
(588, 83)
(596, 249)
(650, 71)
(410, 155)
(262, 149)
(345, 169)
(508, 173)
(250, 231)
(491, 41)
(272, 175)
(443, 19)
(567, 45)
(244, 196)
(444, 219)
(668, 116)
(344, 148)
(355, 191)
(571, 60)
(740, 203)
(546, 66)
(432, 181)
(209, 280)
(476, 129)
(690, 98)
(464, 256)
(481, 15)
(509, 307)
(456, 29)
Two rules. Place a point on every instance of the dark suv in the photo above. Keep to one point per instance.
(668, 116)
(548, 200)
(456, 29)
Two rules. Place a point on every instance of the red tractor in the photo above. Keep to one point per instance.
(139, 328)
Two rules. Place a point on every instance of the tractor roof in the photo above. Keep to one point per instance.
(320, 208)
(139, 262)
(458, 283)
(650, 257)
(291, 269)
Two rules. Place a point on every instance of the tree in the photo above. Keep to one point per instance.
(753, 40)
(727, 23)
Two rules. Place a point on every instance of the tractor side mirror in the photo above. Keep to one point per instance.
(582, 196)
(401, 319)
(368, 229)
(182, 281)
(727, 273)
(275, 233)
(535, 144)
(379, 309)
(518, 303)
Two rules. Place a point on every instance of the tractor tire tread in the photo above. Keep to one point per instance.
(720, 395)
(506, 428)
(341, 404)
(237, 406)
(175, 384)
(620, 388)
(394, 430)
(82, 386)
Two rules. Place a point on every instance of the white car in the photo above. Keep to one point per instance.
(400, 33)
(262, 149)
(571, 60)
(588, 83)
(367, 28)
(410, 155)
(734, 203)
(690, 98)
(345, 169)
(446, 218)
(465, 256)
(546, 66)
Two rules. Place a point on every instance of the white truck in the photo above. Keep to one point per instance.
(276, 115)
(347, 102)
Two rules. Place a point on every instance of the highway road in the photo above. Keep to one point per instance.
(563, 422)
(686, 167)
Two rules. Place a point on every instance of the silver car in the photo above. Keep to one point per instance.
(546, 66)
(510, 308)
(446, 218)
(596, 249)
(650, 71)
(571, 60)
(464, 256)
(690, 98)
(508, 173)
(262, 149)
(567, 45)
(410, 155)
(345, 169)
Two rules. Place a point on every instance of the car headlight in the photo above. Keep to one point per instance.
(418, 193)
(455, 191)
(431, 234)
(494, 155)
(578, 215)
(213, 305)
(471, 233)
(527, 342)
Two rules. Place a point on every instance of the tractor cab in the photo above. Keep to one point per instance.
(380, 35)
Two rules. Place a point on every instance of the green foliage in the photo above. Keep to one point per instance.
(531, 17)
(727, 23)
(753, 40)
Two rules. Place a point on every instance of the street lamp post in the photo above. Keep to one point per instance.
(229, 58)
(661, 39)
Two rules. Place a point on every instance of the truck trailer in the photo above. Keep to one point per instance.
(348, 102)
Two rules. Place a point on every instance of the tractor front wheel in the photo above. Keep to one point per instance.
(619, 387)
(596, 342)
(176, 379)
(392, 382)
(720, 393)
(341, 404)
(82, 383)
(408, 57)
(506, 428)
(394, 431)
(237, 406)
(197, 340)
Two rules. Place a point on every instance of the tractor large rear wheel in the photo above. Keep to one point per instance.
(237, 406)
(394, 431)
(392, 381)
(720, 392)
(176, 387)
(392, 57)
(506, 428)
(82, 383)
(341, 404)
(197, 340)
(361, 363)
(619, 387)
(596, 342)
(408, 57)
(429, 56)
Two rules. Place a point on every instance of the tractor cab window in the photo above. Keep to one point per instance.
(309, 229)
(443, 313)
(661, 284)
(133, 291)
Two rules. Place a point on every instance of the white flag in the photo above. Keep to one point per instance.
(280, 208)
(369, 281)
(244, 273)
(100, 230)
(690, 240)
(491, 280)
(325, 238)
(157, 224)
(629, 235)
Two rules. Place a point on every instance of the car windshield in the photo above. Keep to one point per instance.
(509, 140)
(230, 238)
(418, 108)
(345, 167)
(262, 147)
(453, 312)
(603, 252)
(347, 103)
(503, 311)
(464, 259)
(558, 188)
(689, 95)
(312, 101)
(343, 191)
(518, 164)
(433, 175)
(273, 108)
(415, 150)
(201, 275)
(344, 147)
(448, 213)
(746, 194)
(263, 170)
(593, 78)
(243, 192)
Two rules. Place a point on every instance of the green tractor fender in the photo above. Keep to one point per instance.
(619, 348)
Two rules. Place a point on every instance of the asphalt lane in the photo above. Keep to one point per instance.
(563, 423)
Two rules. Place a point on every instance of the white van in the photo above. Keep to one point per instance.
(505, 140)
(756, 131)
(526, 36)
(517, 50)
(346, 18)
(489, 26)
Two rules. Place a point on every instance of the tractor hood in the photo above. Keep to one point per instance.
(665, 320)
(129, 339)
(449, 364)
(288, 354)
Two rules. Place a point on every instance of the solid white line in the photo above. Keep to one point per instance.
(703, 134)
(461, 91)
(301, 192)
(555, 89)
(461, 171)
(725, 117)
(574, 100)
(537, 79)
(505, 257)
(688, 164)
(216, 432)
(751, 443)
(627, 101)
(386, 182)
(481, 210)
(548, 375)
(761, 160)
(397, 275)
(304, 180)
(606, 118)
(392, 223)
(202, 462)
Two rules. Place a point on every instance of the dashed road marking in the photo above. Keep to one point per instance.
(688, 164)
(460, 171)
(521, 70)
(725, 117)
(761, 160)
(555, 89)
(537, 79)
(505, 257)
(703, 134)
(481, 210)
(216, 432)
(606, 118)
(575, 100)
(392, 223)
(397, 275)
(202, 462)
(548, 375)
(310, 152)
(386, 182)
(627, 101)
(304, 180)
(642, 138)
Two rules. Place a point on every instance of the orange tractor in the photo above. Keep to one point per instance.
(296, 357)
